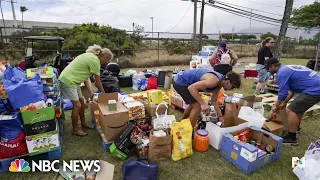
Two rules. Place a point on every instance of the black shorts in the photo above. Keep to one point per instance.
(223, 68)
(184, 93)
(303, 102)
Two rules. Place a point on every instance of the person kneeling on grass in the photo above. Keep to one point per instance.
(78, 71)
(294, 79)
(190, 82)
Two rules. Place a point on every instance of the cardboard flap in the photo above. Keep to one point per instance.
(106, 172)
(230, 121)
(272, 126)
(104, 98)
(249, 100)
(105, 109)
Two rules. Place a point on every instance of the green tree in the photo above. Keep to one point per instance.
(268, 34)
(204, 36)
(316, 37)
(229, 36)
(22, 10)
(307, 16)
(247, 37)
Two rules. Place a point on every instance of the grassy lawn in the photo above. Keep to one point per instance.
(207, 165)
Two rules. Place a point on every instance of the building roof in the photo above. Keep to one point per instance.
(45, 38)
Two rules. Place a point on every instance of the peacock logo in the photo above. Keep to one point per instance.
(19, 165)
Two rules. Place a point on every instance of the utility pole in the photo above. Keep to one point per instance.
(14, 14)
(201, 25)
(250, 21)
(195, 9)
(232, 34)
(133, 27)
(152, 25)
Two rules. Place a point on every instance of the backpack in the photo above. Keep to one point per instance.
(225, 58)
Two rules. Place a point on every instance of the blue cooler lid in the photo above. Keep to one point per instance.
(202, 132)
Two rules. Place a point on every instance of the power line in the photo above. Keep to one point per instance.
(180, 19)
(264, 4)
(242, 15)
(248, 12)
(258, 19)
(252, 9)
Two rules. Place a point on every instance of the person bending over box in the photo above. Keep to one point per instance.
(294, 79)
(77, 72)
(190, 82)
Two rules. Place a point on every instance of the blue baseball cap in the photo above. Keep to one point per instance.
(223, 44)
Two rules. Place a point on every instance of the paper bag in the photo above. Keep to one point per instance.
(159, 147)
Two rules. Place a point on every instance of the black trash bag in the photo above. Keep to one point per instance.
(109, 82)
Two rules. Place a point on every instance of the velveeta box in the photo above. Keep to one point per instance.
(136, 110)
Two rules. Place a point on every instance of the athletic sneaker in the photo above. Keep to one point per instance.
(299, 129)
(288, 140)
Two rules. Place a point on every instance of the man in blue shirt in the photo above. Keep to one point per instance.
(192, 81)
(296, 79)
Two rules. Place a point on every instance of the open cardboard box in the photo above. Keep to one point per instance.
(113, 123)
(231, 124)
(249, 100)
(245, 155)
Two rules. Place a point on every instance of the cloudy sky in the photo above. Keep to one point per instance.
(169, 15)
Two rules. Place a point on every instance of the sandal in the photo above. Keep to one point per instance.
(80, 133)
(87, 127)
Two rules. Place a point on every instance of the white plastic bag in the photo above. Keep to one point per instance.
(163, 121)
(254, 118)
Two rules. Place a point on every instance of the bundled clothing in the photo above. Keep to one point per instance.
(109, 77)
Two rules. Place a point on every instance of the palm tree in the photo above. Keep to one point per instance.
(22, 10)
(283, 28)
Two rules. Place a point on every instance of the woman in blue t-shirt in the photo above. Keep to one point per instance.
(190, 82)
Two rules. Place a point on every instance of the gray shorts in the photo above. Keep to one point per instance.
(71, 93)
(302, 103)
(263, 74)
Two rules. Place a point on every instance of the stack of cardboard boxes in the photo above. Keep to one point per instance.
(41, 125)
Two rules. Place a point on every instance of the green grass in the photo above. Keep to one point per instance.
(201, 166)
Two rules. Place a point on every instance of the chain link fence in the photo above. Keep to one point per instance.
(155, 49)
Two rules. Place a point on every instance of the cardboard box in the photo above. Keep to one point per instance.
(42, 71)
(46, 74)
(44, 114)
(123, 145)
(113, 124)
(273, 127)
(249, 100)
(231, 124)
(154, 96)
(123, 142)
(40, 127)
(281, 118)
(41, 143)
(151, 109)
(177, 101)
(116, 152)
(136, 110)
(244, 155)
(106, 172)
